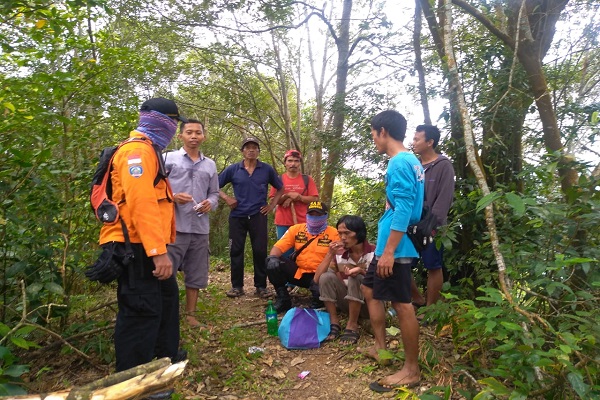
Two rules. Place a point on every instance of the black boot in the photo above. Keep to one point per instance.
(283, 302)
(316, 303)
(314, 290)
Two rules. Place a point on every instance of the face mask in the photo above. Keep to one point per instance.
(158, 127)
(316, 224)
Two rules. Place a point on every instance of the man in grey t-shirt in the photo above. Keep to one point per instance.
(439, 192)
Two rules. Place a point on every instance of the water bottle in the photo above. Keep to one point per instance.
(271, 315)
(390, 310)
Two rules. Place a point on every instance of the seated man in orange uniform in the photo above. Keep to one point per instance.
(310, 242)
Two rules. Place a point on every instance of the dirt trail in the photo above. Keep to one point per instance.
(220, 366)
(336, 371)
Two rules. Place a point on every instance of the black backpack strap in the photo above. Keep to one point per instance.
(305, 178)
(296, 253)
(162, 169)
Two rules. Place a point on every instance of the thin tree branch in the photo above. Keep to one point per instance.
(474, 12)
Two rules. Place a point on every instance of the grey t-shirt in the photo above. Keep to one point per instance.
(439, 187)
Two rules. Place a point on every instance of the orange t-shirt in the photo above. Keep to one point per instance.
(310, 258)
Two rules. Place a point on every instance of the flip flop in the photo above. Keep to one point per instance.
(379, 388)
(334, 333)
(349, 337)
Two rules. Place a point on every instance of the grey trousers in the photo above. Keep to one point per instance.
(335, 290)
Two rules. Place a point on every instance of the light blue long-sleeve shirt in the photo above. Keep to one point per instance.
(405, 182)
(198, 178)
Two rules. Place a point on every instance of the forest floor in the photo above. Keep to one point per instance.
(223, 366)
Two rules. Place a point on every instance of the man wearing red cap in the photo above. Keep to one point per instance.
(298, 191)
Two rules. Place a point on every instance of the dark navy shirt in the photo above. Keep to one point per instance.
(250, 191)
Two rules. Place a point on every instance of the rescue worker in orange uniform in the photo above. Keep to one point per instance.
(147, 323)
(310, 242)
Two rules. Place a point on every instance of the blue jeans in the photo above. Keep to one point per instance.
(281, 230)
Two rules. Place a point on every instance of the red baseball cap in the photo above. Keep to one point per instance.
(292, 153)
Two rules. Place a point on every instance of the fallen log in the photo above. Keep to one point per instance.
(133, 383)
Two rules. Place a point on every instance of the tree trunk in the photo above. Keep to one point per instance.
(531, 28)
(474, 163)
(339, 104)
(133, 383)
(419, 64)
(543, 101)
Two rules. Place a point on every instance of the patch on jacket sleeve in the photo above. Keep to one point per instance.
(136, 170)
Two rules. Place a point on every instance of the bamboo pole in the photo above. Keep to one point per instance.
(145, 379)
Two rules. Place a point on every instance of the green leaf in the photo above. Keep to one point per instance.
(10, 106)
(483, 395)
(576, 381)
(25, 330)
(517, 396)
(505, 347)
(16, 370)
(20, 342)
(544, 362)
(487, 200)
(34, 288)
(9, 389)
(565, 349)
(54, 288)
(516, 203)
(511, 326)
(5, 354)
(490, 325)
(392, 331)
(574, 260)
(497, 387)
(384, 354)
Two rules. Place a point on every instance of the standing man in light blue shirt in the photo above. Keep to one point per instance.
(195, 184)
(389, 276)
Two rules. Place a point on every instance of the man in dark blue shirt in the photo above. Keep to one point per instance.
(250, 179)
